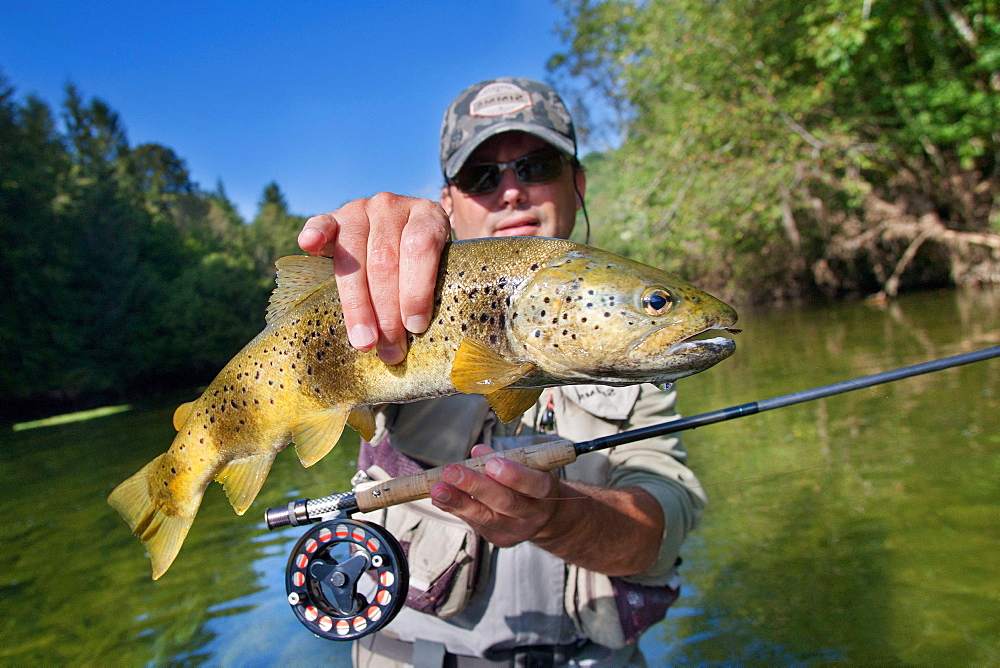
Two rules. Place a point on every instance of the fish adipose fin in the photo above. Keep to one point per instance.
(161, 534)
(479, 370)
(509, 404)
(298, 277)
(181, 414)
(242, 479)
(315, 434)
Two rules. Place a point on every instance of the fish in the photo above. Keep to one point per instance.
(511, 317)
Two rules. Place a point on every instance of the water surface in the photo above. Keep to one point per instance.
(862, 528)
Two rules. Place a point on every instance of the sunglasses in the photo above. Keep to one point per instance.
(539, 166)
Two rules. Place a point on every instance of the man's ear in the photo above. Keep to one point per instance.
(446, 202)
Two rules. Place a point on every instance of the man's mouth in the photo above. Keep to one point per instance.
(521, 227)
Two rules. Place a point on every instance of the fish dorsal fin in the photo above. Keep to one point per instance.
(362, 420)
(509, 404)
(242, 479)
(298, 277)
(478, 370)
(315, 434)
(181, 414)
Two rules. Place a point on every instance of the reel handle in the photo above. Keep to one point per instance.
(541, 457)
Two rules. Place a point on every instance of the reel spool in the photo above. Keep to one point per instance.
(346, 579)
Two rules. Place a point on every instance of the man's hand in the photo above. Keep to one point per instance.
(385, 251)
(611, 531)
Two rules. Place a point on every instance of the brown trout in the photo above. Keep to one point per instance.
(511, 317)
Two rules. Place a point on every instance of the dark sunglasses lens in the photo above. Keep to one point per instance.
(485, 177)
(539, 168)
(474, 179)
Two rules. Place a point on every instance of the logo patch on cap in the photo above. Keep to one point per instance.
(499, 98)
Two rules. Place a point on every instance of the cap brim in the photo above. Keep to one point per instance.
(455, 162)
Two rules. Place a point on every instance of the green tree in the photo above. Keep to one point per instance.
(777, 146)
(274, 230)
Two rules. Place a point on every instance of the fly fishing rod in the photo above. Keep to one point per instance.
(347, 578)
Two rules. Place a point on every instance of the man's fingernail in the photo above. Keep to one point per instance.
(493, 467)
(391, 354)
(452, 474)
(441, 494)
(416, 323)
(312, 237)
(362, 336)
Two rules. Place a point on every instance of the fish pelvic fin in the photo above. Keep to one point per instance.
(479, 370)
(362, 420)
(161, 534)
(181, 415)
(509, 404)
(298, 277)
(243, 478)
(316, 433)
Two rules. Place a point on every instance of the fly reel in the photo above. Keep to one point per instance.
(346, 578)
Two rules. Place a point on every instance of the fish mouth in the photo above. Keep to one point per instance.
(697, 351)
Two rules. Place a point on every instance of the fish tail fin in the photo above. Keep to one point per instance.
(162, 535)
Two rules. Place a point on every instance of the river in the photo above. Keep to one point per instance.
(863, 528)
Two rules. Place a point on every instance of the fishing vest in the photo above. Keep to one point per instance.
(480, 600)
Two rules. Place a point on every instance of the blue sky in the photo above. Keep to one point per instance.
(333, 100)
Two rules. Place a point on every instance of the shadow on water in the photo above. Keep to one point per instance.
(860, 528)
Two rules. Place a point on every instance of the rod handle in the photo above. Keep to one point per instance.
(541, 457)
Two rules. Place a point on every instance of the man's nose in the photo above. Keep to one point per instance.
(512, 191)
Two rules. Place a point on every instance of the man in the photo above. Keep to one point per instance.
(577, 564)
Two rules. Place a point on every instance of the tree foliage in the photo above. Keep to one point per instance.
(778, 148)
(121, 272)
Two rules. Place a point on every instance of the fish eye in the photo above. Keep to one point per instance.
(657, 301)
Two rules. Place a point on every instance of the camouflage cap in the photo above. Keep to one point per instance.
(501, 105)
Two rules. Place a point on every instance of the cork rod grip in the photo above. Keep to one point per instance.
(541, 457)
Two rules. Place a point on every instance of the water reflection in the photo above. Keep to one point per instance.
(859, 528)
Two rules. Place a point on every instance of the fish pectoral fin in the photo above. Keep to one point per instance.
(316, 433)
(509, 404)
(479, 370)
(181, 414)
(162, 535)
(362, 420)
(242, 479)
(298, 277)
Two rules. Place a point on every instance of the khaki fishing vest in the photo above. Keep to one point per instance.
(522, 595)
